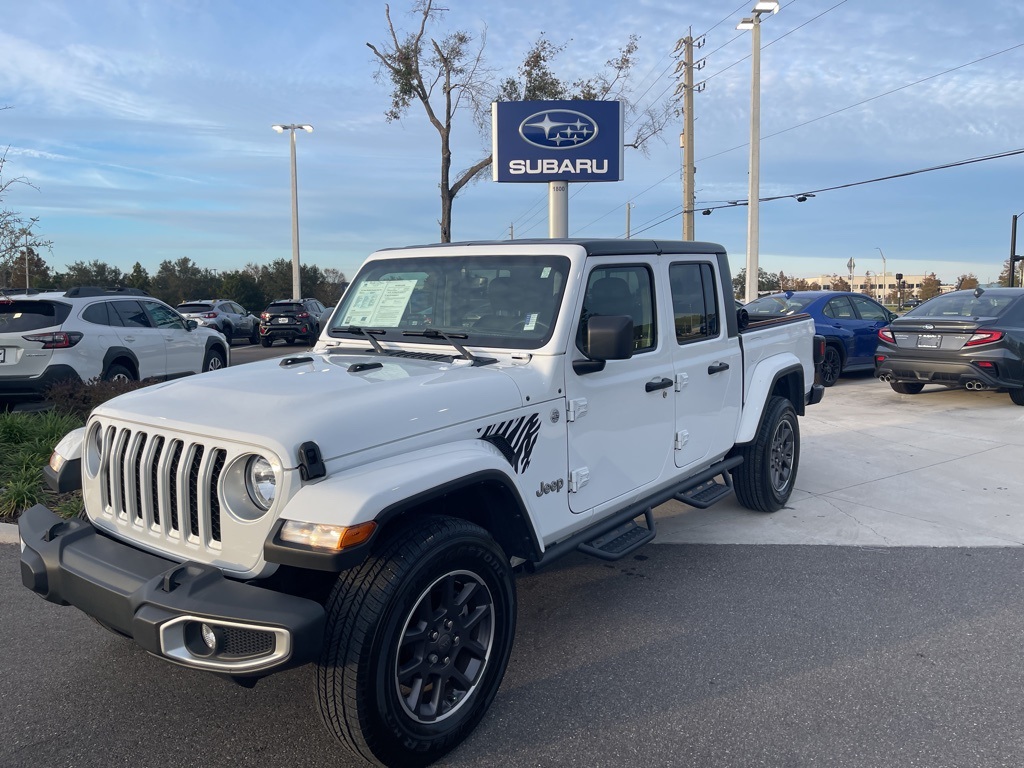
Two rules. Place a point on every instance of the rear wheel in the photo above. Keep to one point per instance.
(119, 373)
(906, 387)
(254, 334)
(1017, 396)
(765, 479)
(831, 366)
(229, 333)
(417, 642)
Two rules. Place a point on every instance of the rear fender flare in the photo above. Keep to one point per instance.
(763, 383)
(120, 353)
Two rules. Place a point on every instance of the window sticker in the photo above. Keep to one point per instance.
(380, 303)
(531, 321)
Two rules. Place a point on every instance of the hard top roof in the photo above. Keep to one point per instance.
(593, 246)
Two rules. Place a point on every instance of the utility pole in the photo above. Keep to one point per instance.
(512, 231)
(686, 138)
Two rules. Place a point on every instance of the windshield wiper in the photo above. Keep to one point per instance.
(368, 333)
(434, 333)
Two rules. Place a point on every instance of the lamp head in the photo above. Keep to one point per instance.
(277, 128)
(746, 24)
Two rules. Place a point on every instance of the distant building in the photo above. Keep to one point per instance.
(873, 285)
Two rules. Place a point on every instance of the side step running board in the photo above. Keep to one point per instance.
(707, 493)
(622, 540)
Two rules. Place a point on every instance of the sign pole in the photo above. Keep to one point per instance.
(558, 209)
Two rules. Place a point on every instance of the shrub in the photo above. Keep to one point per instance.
(75, 398)
(26, 442)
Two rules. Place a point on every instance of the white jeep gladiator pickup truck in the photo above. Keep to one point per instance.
(469, 410)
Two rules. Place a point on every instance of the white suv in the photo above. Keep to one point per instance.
(89, 333)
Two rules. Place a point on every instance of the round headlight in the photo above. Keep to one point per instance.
(260, 481)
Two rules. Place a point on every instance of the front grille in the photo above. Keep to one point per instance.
(163, 484)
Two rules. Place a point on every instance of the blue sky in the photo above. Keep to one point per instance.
(145, 127)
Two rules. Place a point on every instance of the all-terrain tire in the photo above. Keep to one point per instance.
(765, 479)
(416, 642)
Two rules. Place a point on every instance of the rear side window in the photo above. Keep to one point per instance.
(98, 313)
(694, 302)
(18, 316)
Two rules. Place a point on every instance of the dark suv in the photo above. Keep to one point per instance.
(291, 320)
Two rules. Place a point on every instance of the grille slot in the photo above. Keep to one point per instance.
(243, 643)
(164, 485)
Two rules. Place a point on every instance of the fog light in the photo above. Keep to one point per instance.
(209, 637)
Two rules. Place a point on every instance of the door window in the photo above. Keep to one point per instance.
(164, 317)
(621, 290)
(131, 314)
(694, 302)
(840, 308)
(869, 310)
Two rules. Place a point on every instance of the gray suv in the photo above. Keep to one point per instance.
(227, 317)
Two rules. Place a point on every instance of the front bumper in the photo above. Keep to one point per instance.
(163, 605)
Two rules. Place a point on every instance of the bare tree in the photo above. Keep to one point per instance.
(455, 76)
(448, 74)
(18, 239)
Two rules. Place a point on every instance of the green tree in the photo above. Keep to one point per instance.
(930, 286)
(138, 278)
(964, 282)
(840, 284)
(766, 282)
(95, 272)
(243, 287)
(1004, 276)
(184, 280)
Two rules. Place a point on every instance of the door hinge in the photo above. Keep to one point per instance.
(682, 379)
(682, 438)
(575, 409)
(578, 478)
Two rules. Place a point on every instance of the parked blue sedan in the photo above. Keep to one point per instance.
(849, 322)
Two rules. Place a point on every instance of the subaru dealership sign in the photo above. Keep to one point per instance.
(557, 140)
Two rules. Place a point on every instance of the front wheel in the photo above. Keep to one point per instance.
(906, 387)
(765, 479)
(1017, 396)
(214, 361)
(416, 642)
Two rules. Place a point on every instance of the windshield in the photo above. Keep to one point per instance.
(963, 304)
(495, 300)
(778, 304)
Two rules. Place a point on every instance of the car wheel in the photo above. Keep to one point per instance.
(291, 340)
(119, 373)
(229, 333)
(214, 361)
(1017, 396)
(266, 341)
(416, 643)
(906, 387)
(254, 334)
(765, 479)
(831, 366)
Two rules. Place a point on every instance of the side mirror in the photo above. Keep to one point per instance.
(608, 337)
(191, 324)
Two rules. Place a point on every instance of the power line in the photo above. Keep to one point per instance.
(812, 192)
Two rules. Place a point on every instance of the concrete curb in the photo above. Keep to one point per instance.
(9, 533)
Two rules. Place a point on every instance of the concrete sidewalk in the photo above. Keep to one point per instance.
(877, 469)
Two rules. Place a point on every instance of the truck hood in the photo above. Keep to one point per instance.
(344, 402)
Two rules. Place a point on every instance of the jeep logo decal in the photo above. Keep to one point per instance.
(553, 487)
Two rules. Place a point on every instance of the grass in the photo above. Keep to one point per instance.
(26, 442)
(28, 438)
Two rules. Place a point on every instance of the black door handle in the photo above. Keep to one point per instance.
(651, 386)
(718, 368)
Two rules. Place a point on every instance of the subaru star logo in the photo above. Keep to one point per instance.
(558, 129)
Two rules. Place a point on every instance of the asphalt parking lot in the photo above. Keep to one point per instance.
(743, 640)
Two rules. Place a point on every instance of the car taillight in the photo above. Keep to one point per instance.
(885, 334)
(302, 314)
(56, 340)
(983, 337)
(209, 315)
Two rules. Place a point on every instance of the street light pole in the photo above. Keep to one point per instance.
(1014, 258)
(883, 275)
(296, 281)
(754, 177)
